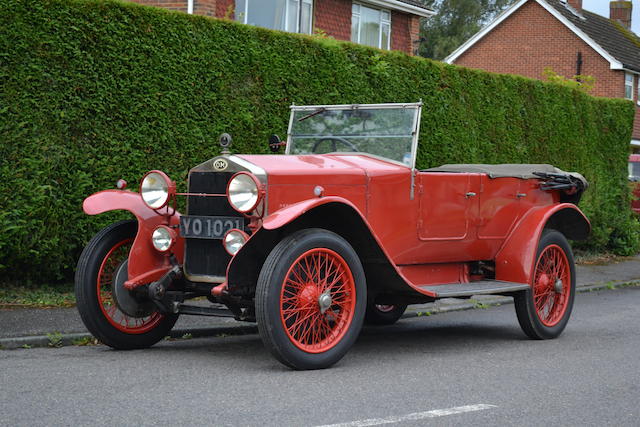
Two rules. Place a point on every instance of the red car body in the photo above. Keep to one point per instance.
(412, 236)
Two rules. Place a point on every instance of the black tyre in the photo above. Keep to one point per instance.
(383, 314)
(544, 310)
(101, 297)
(310, 299)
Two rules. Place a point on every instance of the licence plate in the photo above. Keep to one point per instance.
(208, 227)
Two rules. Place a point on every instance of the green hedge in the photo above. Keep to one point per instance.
(95, 91)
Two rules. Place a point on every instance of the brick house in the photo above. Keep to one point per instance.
(386, 24)
(534, 34)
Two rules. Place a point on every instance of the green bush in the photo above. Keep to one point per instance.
(95, 91)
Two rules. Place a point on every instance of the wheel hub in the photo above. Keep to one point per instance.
(125, 301)
(543, 281)
(324, 301)
(558, 286)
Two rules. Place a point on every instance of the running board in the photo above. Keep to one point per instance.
(481, 287)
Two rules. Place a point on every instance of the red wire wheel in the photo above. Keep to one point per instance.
(544, 310)
(311, 298)
(551, 285)
(101, 297)
(317, 300)
(104, 290)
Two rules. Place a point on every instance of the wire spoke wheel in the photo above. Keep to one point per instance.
(101, 297)
(317, 300)
(311, 298)
(551, 285)
(105, 292)
(544, 310)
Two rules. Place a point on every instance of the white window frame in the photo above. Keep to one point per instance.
(286, 15)
(382, 22)
(628, 83)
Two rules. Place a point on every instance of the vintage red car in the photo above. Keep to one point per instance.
(341, 230)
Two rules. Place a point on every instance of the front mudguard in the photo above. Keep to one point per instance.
(516, 258)
(146, 264)
(245, 266)
(331, 213)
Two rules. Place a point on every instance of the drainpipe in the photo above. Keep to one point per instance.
(579, 64)
(190, 7)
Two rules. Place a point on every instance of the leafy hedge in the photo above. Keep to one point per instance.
(95, 91)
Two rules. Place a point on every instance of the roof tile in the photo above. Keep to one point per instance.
(619, 42)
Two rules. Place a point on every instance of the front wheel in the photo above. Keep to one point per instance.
(310, 299)
(108, 310)
(543, 311)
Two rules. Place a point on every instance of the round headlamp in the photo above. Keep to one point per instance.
(155, 189)
(163, 238)
(234, 240)
(243, 192)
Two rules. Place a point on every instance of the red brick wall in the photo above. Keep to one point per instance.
(532, 39)
(333, 17)
(204, 7)
(180, 5)
(330, 16)
(405, 30)
(223, 6)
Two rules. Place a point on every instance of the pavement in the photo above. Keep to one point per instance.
(23, 328)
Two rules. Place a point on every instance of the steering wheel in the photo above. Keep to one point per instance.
(334, 146)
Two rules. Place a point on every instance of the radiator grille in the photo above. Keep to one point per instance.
(204, 257)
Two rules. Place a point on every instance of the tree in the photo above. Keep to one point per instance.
(454, 23)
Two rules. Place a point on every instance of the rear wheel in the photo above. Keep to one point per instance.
(108, 310)
(310, 299)
(543, 311)
(384, 314)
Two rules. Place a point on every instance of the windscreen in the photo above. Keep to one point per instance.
(384, 132)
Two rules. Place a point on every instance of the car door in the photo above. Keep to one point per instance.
(448, 205)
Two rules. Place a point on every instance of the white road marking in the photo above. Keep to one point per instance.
(414, 416)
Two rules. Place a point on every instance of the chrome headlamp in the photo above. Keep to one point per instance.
(163, 238)
(156, 189)
(243, 192)
(234, 240)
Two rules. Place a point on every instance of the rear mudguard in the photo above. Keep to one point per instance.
(146, 264)
(515, 259)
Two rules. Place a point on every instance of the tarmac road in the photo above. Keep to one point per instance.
(460, 368)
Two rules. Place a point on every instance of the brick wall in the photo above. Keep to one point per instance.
(180, 5)
(531, 39)
(204, 7)
(330, 16)
(224, 7)
(333, 17)
(405, 30)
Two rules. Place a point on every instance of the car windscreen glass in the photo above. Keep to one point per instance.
(384, 131)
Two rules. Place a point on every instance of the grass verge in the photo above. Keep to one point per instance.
(47, 296)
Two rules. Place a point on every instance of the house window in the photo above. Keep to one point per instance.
(370, 26)
(293, 16)
(628, 86)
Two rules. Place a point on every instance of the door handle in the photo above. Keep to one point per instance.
(470, 194)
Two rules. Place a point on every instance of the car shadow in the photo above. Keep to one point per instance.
(424, 336)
